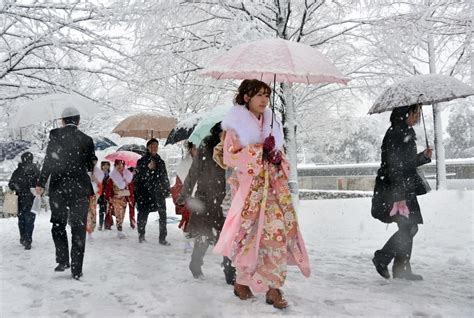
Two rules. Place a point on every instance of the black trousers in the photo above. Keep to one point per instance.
(197, 257)
(143, 219)
(400, 245)
(26, 225)
(102, 210)
(66, 210)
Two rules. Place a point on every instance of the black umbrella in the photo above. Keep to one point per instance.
(139, 149)
(102, 143)
(178, 134)
(10, 149)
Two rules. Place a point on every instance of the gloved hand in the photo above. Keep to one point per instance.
(184, 220)
(275, 157)
(269, 144)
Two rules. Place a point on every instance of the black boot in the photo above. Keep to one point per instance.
(380, 263)
(229, 271)
(141, 238)
(61, 267)
(402, 269)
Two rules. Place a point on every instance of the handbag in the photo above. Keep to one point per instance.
(10, 203)
(123, 193)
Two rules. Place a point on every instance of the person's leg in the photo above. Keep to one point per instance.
(119, 209)
(91, 214)
(102, 211)
(131, 214)
(197, 257)
(163, 230)
(29, 219)
(78, 221)
(21, 227)
(142, 221)
(401, 264)
(59, 234)
(229, 271)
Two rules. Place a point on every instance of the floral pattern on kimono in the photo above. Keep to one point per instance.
(261, 234)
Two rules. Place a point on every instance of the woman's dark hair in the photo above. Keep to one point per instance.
(74, 120)
(211, 141)
(250, 88)
(27, 157)
(189, 146)
(400, 114)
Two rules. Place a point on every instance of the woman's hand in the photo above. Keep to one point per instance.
(428, 152)
(402, 204)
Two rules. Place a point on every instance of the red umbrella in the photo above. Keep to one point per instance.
(129, 157)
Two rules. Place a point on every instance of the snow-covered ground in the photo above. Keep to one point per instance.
(125, 278)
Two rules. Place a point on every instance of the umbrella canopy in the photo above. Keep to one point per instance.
(129, 157)
(275, 60)
(139, 149)
(50, 107)
(10, 149)
(421, 89)
(102, 143)
(178, 134)
(203, 128)
(145, 126)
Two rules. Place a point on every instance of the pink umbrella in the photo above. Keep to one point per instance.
(129, 157)
(275, 60)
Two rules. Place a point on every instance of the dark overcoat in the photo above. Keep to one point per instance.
(206, 218)
(398, 178)
(69, 158)
(23, 179)
(152, 187)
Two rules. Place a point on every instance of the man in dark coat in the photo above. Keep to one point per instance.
(69, 157)
(23, 179)
(152, 187)
(396, 187)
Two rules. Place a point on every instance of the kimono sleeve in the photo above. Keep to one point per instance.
(242, 158)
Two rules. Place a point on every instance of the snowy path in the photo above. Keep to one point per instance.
(123, 278)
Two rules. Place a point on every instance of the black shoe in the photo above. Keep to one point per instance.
(76, 276)
(61, 267)
(22, 242)
(408, 276)
(165, 243)
(27, 246)
(141, 238)
(381, 268)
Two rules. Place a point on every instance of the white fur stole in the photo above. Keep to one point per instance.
(247, 126)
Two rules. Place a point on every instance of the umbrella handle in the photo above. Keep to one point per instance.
(424, 127)
(273, 103)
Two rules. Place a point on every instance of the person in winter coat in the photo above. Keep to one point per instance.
(396, 187)
(23, 179)
(206, 218)
(261, 233)
(102, 201)
(181, 173)
(152, 187)
(131, 201)
(118, 189)
(69, 157)
(96, 180)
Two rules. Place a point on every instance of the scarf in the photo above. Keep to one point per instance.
(248, 129)
(119, 180)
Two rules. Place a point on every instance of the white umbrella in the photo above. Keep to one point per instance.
(50, 107)
(421, 89)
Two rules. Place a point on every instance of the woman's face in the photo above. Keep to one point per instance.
(120, 167)
(414, 117)
(258, 103)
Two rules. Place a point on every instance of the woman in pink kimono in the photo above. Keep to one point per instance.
(261, 234)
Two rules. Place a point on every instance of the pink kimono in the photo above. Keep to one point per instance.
(261, 233)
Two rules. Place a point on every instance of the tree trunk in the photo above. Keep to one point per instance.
(290, 125)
